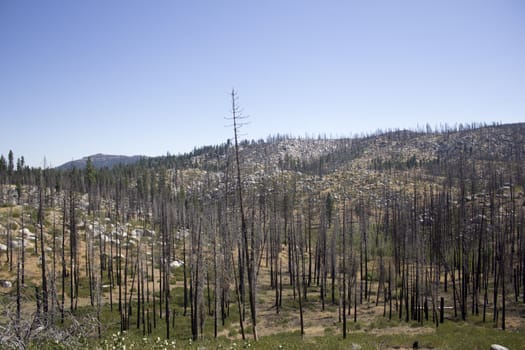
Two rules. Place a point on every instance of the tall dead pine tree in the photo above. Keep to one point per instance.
(247, 249)
(42, 250)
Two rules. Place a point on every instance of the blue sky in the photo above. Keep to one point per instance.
(150, 77)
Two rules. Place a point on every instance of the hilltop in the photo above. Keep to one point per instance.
(397, 148)
(100, 161)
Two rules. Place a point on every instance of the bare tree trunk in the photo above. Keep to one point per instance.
(344, 272)
(64, 270)
(43, 251)
(248, 250)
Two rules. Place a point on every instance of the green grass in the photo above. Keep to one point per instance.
(447, 336)
(450, 335)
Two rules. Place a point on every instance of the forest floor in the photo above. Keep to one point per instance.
(322, 328)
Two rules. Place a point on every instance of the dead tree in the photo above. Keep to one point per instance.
(246, 248)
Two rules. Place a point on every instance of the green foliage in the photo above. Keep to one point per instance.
(91, 173)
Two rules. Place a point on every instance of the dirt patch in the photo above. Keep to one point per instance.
(401, 330)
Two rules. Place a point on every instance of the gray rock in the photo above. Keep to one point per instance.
(176, 263)
(5, 284)
(498, 347)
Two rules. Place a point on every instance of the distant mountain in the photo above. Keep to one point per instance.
(101, 161)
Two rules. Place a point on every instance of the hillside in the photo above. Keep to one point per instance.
(377, 241)
(486, 143)
(363, 160)
(398, 148)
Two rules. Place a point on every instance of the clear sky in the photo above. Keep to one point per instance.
(150, 77)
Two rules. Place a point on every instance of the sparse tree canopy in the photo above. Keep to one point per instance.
(249, 239)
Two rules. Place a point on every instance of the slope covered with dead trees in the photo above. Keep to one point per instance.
(421, 226)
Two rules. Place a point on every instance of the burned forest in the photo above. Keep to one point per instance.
(400, 230)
